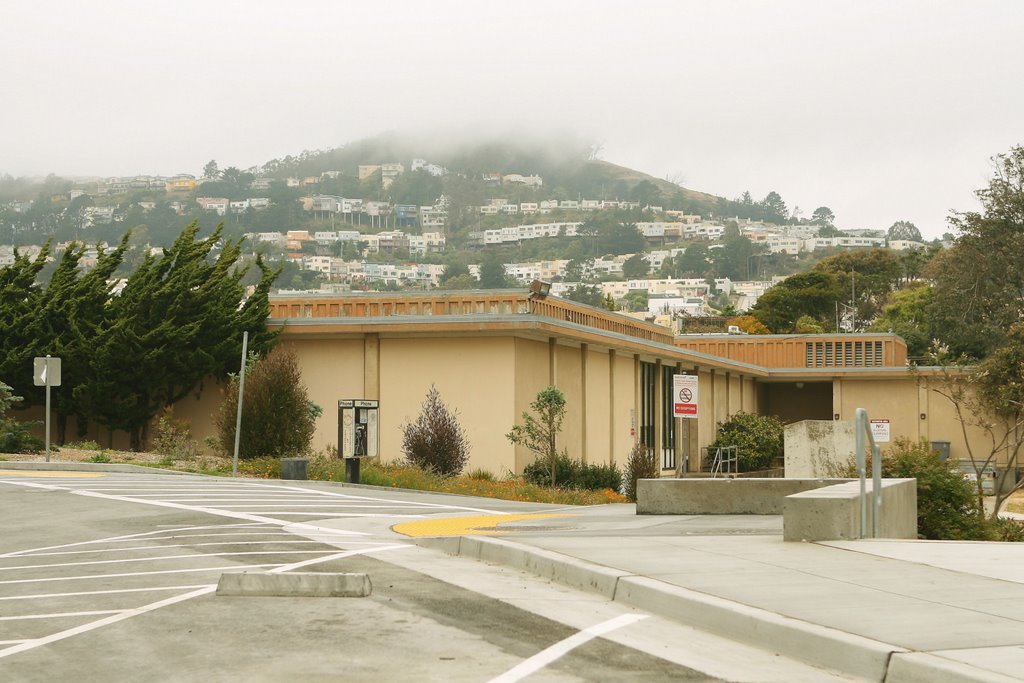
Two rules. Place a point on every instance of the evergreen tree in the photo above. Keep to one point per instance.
(176, 322)
(19, 302)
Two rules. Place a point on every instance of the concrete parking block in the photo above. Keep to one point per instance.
(294, 585)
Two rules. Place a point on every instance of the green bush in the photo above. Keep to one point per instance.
(436, 441)
(14, 435)
(947, 504)
(642, 463)
(758, 439)
(278, 419)
(572, 474)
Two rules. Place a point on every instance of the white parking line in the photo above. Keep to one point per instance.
(100, 577)
(47, 596)
(338, 556)
(166, 546)
(58, 615)
(125, 537)
(127, 614)
(22, 646)
(561, 648)
(317, 513)
(130, 560)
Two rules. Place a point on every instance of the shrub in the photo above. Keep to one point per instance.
(642, 463)
(1003, 529)
(480, 474)
(947, 507)
(572, 474)
(173, 438)
(758, 439)
(84, 446)
(278, 419)
(436, 441)
(14, 435)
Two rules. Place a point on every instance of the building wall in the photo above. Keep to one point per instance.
(623, 408)
(568, 365)
(473, 376)
(597, 426)
(903, 402)
(332, 369)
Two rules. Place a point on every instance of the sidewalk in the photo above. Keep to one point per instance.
(893, 611)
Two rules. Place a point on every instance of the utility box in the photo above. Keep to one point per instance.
(358, 421)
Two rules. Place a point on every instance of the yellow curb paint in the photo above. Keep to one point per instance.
(48, 473)
(464, 526)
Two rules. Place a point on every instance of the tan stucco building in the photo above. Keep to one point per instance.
(490, 352)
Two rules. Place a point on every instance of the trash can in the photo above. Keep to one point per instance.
(293, 468)
(942, 448)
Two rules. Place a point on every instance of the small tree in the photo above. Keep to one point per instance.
(758, 439)
(988, 397)
(278, 419)
(15, 436)
(539, 434)
(642, 463)
(436, 441)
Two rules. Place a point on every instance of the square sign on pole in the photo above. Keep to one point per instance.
(46, 371)
(684, 396)
(880, 430)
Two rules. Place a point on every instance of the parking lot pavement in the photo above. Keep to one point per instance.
(111, 578)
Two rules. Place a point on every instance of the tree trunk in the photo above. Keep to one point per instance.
(62, 429)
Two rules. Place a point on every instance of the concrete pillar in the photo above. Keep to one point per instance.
(552, 361)
(584, 352)
(923, 415)
(837, 399)
(371, 367)
(611, 406)
(659, 407)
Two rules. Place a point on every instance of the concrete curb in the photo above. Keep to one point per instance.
(87, 467)
(294, 585)
(817, 645)
(922, 667)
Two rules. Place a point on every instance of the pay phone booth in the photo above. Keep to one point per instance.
(357, 433)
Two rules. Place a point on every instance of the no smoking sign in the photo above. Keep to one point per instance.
(685, 391)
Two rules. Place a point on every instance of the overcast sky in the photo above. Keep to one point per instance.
(880, 110)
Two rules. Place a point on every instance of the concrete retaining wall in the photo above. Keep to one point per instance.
(720, 496)
(833, 512)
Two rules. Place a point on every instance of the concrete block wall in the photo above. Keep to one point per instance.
(833, 512)
(720, 496)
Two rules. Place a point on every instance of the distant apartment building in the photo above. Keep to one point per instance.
(519, 179)
(180, 183)
(423, 165)
(218, 204)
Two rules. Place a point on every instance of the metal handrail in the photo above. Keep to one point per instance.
(726, 460)
(863, 427)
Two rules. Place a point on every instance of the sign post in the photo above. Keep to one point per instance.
(241, 393)
(46, 373)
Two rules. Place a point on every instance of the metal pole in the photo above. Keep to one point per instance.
(876, 488)
(861, 469)
(241, 392)
(46, 375)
